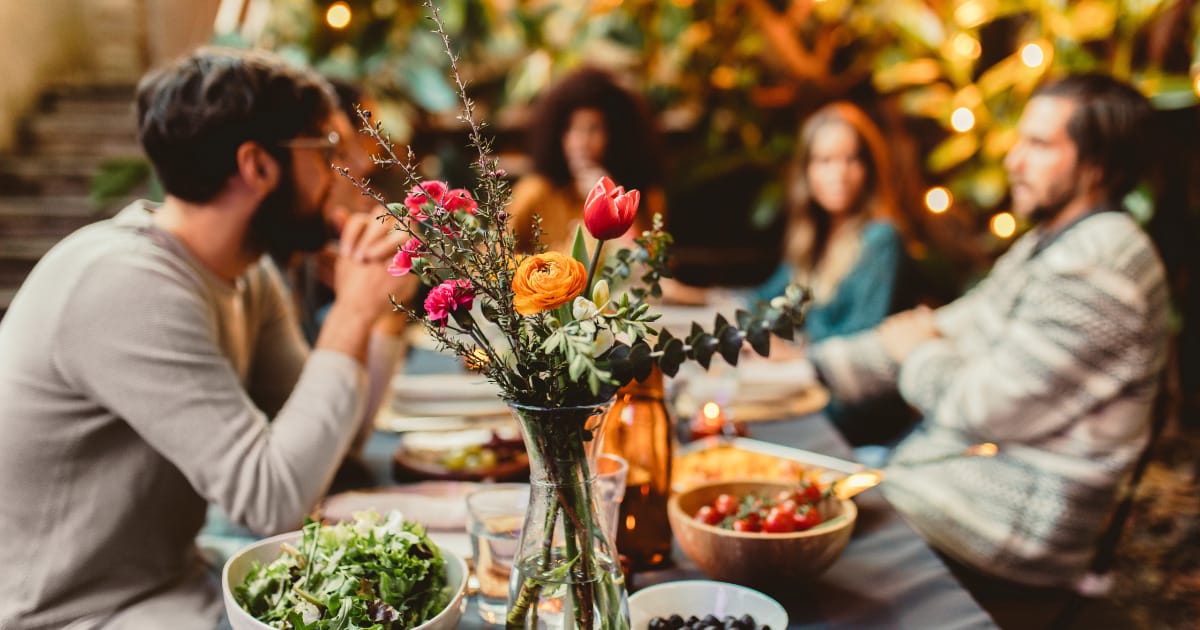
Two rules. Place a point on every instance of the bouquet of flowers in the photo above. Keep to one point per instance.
(559, 334)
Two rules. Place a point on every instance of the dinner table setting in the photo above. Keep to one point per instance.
(885, 576)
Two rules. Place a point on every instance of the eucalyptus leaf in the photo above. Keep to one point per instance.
(673, 356)
(759, 339)
(729, 344)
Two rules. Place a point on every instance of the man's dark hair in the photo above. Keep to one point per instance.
(194, 113)
(1109, 127)
(632, 152)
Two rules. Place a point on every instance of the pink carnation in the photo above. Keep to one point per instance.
(431, 192)
(460, 199)
(402, 262)
(447, 297)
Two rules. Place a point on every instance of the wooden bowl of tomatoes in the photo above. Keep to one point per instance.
(763, 534)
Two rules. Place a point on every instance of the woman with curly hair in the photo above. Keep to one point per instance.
(585, 127)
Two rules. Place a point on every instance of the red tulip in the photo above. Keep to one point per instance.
(609, 210)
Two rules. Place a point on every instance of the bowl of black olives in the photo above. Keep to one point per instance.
(704, 604)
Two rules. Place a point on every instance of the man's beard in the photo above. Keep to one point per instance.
(281, 228)
(1055, 202)
(1046, 211)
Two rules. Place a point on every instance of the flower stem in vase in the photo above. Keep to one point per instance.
(565, 574)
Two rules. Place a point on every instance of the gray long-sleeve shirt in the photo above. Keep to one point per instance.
(135, 387)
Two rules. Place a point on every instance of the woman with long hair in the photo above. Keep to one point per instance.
(585, 127)
(845, 235)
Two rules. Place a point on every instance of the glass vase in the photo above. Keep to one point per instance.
(565, 573)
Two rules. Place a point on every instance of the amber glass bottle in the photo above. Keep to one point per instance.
(639, 428)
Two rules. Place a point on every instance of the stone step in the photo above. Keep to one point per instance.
(55, 175)
(85, 106)
(49, 216)
(87, 135)
(29, 248)
(85, 124)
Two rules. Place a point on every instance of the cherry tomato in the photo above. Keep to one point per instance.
(807, 518)
(788, 505)
(726, 505)
(779, 521)
(708, 515)
(811, 491)
(751, 523)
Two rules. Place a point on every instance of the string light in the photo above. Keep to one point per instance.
(966, 46)
(338, 15)
(1003, 225)
(938, 199)
(962, 119)
(1032, 55)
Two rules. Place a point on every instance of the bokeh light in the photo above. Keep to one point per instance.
(970, 14)
(338, 15)
(1032, 55)
(963, 119)
(1003, 225)
(938, 199)
(1196, 84)
(966, 46)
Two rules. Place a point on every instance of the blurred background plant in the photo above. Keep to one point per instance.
(731, 80)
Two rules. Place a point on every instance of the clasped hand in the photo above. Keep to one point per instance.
(361, 276)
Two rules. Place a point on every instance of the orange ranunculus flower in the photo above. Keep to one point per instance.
(546, 281)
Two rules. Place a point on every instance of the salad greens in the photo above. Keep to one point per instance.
(364, 574)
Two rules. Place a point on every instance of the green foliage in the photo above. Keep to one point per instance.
(116, 178)
(741, 75)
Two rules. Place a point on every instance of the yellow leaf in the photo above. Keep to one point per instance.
(989, 186)
(998, 141)
(953, 151)
(1093, 19)
(930, 101)
(1000, 77)
(906, 73)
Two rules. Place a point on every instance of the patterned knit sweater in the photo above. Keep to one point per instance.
(1055, 357)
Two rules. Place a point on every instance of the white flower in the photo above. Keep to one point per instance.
(604, 341)
(600, 293)
(583, 308)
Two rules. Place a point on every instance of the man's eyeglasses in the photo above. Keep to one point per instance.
(328, 145)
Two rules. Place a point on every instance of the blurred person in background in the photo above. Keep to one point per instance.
(844, 241)
(1055, 356)
(585, 127)
(845, 233)
(152, 363)
(312, 274)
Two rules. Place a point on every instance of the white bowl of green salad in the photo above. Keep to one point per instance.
(367, 572)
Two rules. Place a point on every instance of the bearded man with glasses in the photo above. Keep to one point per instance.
(152, 364)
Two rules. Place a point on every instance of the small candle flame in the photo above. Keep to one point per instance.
(712, 415)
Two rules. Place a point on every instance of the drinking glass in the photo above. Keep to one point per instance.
(612, 471)
(495, 513)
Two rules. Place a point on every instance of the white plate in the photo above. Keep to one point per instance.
(704, 597)
(438, 505)
(442, 388)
